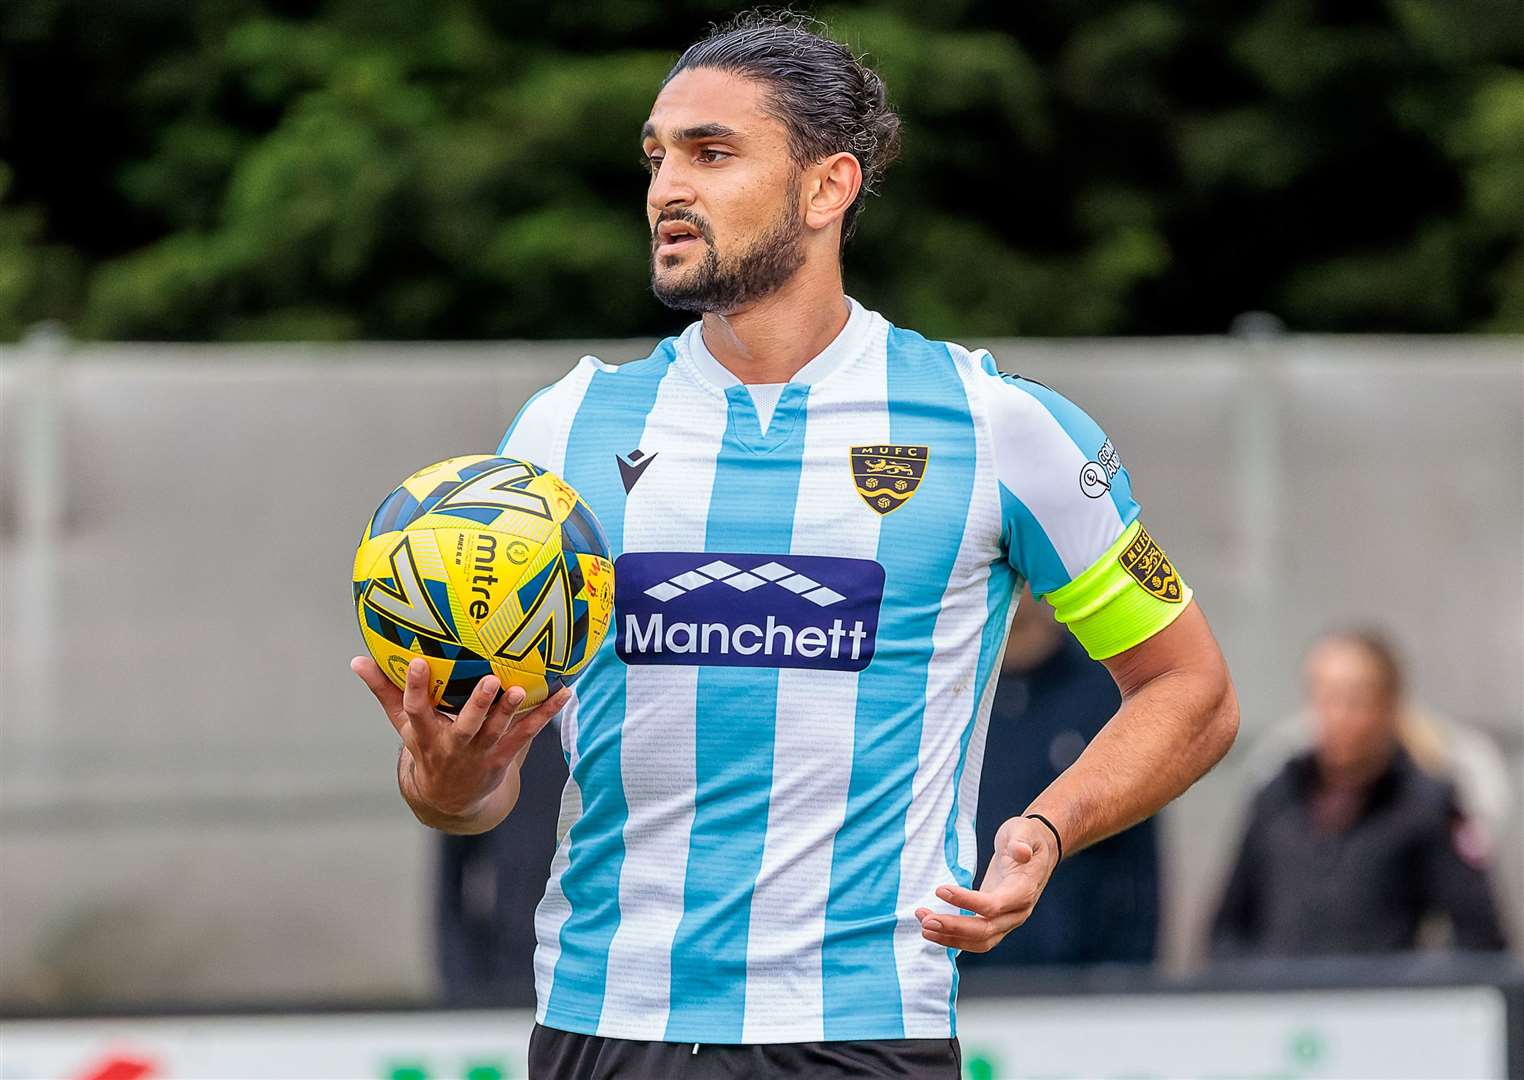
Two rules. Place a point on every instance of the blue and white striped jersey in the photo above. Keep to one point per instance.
(775, 756)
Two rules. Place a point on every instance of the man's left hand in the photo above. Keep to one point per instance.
(1024, 858)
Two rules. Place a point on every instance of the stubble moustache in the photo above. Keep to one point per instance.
(722, 284)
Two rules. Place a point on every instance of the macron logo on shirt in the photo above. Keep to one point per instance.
(746, 610)
(631, 466)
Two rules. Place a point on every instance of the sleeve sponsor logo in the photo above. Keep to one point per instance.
(886, 476)
(1095, 476)
(746, 610)
(1151, 568)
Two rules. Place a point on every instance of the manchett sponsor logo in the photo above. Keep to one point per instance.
(747, 610)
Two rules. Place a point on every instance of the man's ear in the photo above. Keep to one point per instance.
(830, 185)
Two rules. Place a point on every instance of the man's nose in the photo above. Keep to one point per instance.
(670, 188)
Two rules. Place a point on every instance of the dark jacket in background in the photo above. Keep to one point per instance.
(490, 884)
(1102, 904)
(1297, 890)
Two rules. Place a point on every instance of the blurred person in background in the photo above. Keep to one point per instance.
(1051, 700)
(1439, 744)
(1353, 846)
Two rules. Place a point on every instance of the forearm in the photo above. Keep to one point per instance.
(1166, 735)
(486, 815)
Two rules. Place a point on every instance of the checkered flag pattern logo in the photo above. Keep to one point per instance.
(723, 573)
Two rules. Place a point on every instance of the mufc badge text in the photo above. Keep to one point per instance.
(887, 476)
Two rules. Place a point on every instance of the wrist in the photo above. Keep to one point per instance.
(477, 817)
(427, 810)
(1045, 822)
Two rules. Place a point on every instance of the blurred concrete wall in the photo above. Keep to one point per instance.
(196, 796)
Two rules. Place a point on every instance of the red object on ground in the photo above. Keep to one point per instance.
(121, 1067)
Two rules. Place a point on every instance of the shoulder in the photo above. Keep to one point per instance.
(910, 350)
(1283, 791)
(1024, 414)
(1013, 403)
(541, 422)
(1432, 797)
(1287, 785)
(1048, 452)
(653, 365)
(1028, 409)
(574, 383)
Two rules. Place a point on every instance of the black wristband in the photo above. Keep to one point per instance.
(1058, 840)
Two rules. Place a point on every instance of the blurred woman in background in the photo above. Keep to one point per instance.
(1355, 845)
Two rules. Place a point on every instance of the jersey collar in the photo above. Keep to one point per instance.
(842, 349)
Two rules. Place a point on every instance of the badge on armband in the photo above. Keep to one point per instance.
(1150, 567)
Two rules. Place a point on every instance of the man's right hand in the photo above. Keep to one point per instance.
(458, 763)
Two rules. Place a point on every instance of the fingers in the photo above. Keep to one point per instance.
(386, 693)
(488, 718)
(996, 912)
(972, 900)
(522, 729)
(501, 716)
(1020, 850)
(469, 721)
(940, 928)
(1024, 839)
(972, 933)
(415, 698)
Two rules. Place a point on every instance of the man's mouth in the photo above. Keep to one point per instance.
(674, 237)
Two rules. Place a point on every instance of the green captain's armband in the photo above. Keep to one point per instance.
(1127, 596)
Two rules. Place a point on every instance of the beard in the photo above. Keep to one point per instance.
(724, 283)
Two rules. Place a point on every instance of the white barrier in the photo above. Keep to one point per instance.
(1450, 1032)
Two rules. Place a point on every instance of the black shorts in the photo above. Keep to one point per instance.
(564, 1055)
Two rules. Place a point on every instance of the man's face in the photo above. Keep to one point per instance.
(1353, 708)
(727, 226)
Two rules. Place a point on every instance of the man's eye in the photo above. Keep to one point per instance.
(652, 162)
(711, 156)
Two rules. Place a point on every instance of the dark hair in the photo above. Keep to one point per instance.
(827, 98)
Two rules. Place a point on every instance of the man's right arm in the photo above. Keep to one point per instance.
(459, 774)
(488, 815)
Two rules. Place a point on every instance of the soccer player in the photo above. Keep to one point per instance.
(819, 521)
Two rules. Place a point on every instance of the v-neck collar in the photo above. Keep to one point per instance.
(843, 347)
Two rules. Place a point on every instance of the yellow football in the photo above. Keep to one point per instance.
(484, 564)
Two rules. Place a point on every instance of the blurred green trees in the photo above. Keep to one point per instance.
(279, 169)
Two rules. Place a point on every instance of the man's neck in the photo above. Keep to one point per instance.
(770, 340)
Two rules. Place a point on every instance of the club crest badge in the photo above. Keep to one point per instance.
(886, 476)
(1151, 568)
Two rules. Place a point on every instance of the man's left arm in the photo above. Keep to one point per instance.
(1179, 716)
(1071, 529)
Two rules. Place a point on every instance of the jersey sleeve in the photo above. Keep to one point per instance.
(1069, 522)
(538, 433)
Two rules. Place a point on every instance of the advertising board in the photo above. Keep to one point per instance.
(1451, 1032)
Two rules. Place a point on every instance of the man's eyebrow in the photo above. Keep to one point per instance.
(696, 133)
